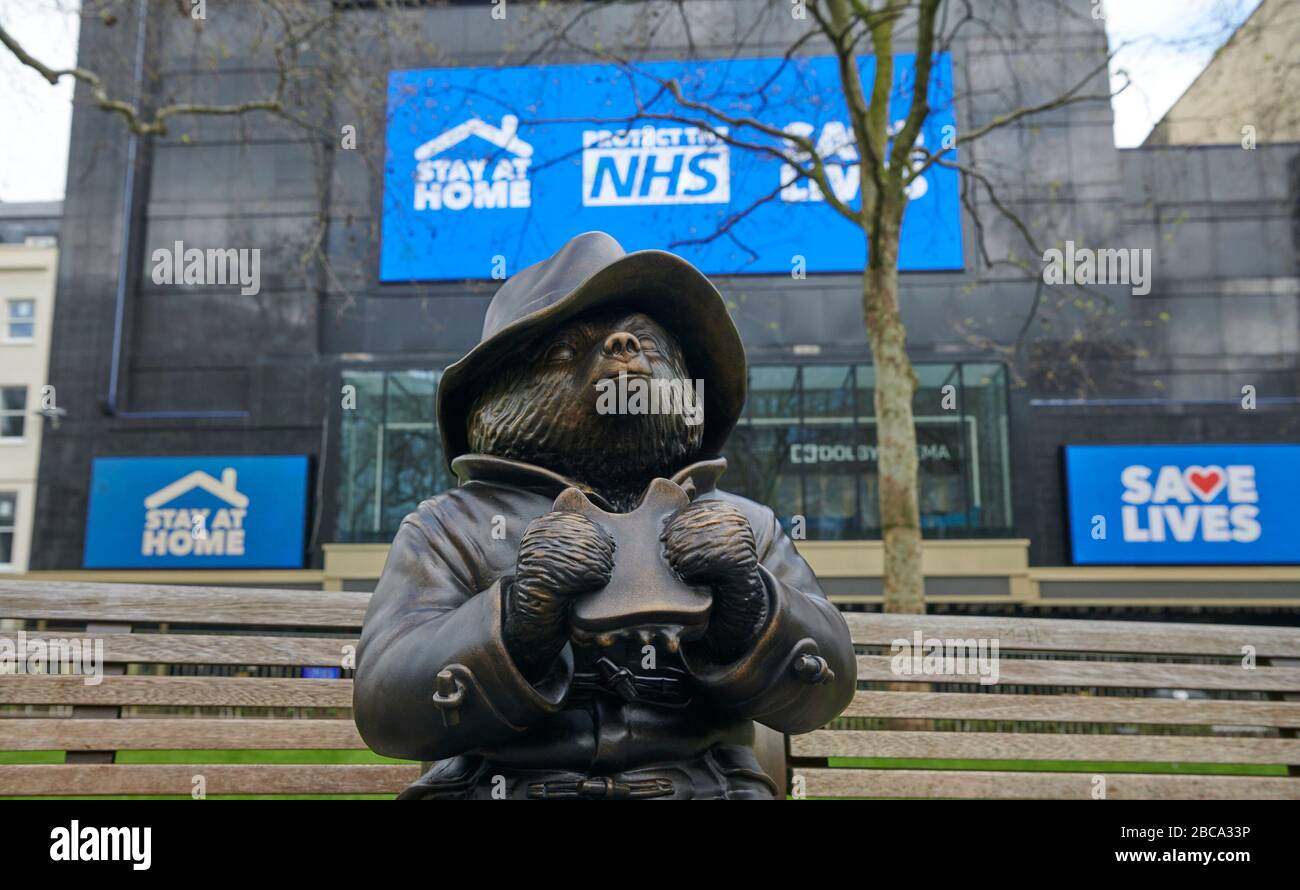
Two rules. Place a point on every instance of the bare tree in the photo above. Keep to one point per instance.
(891, 161)
(297, 32)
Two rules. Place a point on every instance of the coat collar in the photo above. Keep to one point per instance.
(696, 478)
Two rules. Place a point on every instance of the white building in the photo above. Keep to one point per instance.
(28, 270)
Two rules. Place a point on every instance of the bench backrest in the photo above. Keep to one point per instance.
(1082, 708)
(136, 711)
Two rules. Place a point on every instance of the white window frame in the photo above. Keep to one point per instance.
(11, 319)
(20, 413)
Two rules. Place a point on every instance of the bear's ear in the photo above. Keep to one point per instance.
(666, 496)
(572, 500)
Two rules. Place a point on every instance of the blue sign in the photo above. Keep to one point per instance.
(489, 170)
(321, 673)
(197, 512)
(1184, 504)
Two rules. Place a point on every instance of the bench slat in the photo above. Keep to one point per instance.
(1110, 674)
(1073, 709)
(247, 692)
(224, 778)
(1077, 635)
(173, 648)
(149, 604)
(1041, 786)
(180, 733)
(1044, 746)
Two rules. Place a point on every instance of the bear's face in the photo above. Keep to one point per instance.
(545, 408)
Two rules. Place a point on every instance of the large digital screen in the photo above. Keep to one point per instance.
(489, 170)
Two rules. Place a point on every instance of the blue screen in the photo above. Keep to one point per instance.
(489, 170)
(1184, 504)
(197, 512)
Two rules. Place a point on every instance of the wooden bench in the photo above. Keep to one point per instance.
(1215, 715)
(1215, 719)
(231, 627)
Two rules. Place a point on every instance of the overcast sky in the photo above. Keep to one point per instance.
(1163, 44)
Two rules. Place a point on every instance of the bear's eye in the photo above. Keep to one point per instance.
(559, 352)
(647, 342)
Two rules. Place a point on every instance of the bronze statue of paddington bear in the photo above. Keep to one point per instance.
(588, 615)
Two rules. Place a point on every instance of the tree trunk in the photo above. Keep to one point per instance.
(900, 519)
(896, 464)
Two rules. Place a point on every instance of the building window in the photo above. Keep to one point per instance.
(13, 411)
(8, 512)
(20, 320)
(391, 455)
(805, 446)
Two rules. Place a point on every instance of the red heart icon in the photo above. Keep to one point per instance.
(1206, 481)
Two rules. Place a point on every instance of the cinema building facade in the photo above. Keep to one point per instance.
(303, 413)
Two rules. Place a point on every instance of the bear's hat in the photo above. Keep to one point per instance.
(589, 272)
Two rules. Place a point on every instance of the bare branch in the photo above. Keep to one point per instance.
(920, 109)
(730, 222)
(157, 124)
(1070, 97)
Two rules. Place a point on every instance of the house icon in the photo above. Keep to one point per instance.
(223, 489)
(478, 183)
(505, 137)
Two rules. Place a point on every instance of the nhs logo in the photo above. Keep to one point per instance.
(1184, 504)
(655, 165)
(197, 512)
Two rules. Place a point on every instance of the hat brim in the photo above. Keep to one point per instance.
(664, 286)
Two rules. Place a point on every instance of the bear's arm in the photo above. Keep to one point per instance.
(426, 617)
(762, 684)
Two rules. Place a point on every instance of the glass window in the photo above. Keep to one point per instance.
(13, 411)
(773, 391)
(362, 416)
(20, 320)
(828, 394)
(391, 454)
(984, 405)
(941, 448)
(807, 447)
(8, 512)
